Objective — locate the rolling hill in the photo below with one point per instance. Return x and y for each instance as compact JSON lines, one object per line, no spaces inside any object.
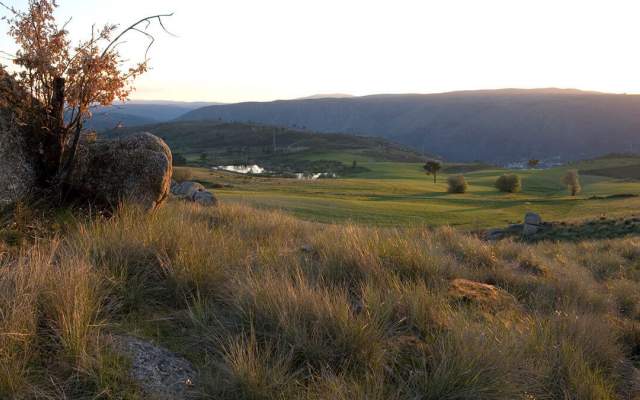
{"x":252,"y":142}
{"x":495,"y":125}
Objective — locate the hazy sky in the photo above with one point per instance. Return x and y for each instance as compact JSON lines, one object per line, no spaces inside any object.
{"x":236,"y":50}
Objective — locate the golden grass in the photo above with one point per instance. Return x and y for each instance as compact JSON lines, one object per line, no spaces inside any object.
{"x":268,"y":306}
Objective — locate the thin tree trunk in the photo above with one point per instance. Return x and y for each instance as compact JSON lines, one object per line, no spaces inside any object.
{"x":68,"y":165}
{"x":54,"y":141}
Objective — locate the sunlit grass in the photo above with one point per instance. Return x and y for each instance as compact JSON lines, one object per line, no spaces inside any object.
{"x":401,"y":194}
{"x":269,"y":306}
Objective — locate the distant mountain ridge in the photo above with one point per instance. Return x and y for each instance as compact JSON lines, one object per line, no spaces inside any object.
{"x":327,"y":96}
{"x":491,"y":125}
{"x":140,"y":112}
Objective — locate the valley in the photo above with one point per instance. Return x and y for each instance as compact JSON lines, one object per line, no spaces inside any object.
{"x":393,"y":237}
{"x":389,"y":193}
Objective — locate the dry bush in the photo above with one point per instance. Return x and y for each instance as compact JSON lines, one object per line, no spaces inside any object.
{"x":457,"y":184}
{"x":182,"y":174}
{"x":572,"y":180}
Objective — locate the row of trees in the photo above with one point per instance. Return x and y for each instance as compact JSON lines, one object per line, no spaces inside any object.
{"x":507,"y":183}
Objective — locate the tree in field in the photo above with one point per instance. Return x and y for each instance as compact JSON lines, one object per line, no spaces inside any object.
{"x":533,"y":163}
{"x":572,"y":180}
{"x":62,"y":82}
{"x":432,"y":167}
{"x":457,"y":184}
{"x":509,"y":183}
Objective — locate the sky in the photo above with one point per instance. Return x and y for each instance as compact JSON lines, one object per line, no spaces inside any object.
{"x":261,"y":50}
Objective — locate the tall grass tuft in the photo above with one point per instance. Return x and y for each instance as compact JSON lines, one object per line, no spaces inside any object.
{"x":267,"y":306}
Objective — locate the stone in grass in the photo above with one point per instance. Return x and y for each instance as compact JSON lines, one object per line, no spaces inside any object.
{"x":479,"y":294}
{"x":532,"y":224}
{"x":194,"y":192}
{"x":204,"y":198}
{"x":161,"y":374}
{"x":186,"y":189}
{"x":494,"y":234}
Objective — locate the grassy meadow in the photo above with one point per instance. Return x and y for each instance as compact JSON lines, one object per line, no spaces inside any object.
{"x":267,"y":306}
{"x":392,"y":193}
{"x":351,"y":288}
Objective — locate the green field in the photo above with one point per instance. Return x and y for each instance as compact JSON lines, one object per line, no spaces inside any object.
{"x":392,"y":193}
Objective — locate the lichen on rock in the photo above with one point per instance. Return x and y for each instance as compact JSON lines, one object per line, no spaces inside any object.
{"x":136,"y":169}
{"x":18,"y":176}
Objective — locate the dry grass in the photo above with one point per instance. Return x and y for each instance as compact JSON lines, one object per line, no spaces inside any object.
{"x":269,"y":307}
{"x":181,"y":174}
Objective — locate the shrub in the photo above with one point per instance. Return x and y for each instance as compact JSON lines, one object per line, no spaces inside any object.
{"x":572,"y":180}
{"x":509,"y":183}
{"x":457,"y":184}
{"x":182,"y":174}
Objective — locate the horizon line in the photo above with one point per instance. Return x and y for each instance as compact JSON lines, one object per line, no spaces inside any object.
{"x":344,"y":95}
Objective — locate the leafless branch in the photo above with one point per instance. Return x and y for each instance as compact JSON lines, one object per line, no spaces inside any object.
{"x":9,"y":8}
{"x":152,"y":40}
{"x":134,"y":27}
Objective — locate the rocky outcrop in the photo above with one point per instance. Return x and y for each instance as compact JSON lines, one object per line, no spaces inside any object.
{"x":161,"y":374}
{"x":186,"y":189}
{"x":532,"y":224}
{"x":18,"y":176}
{"x":204,"y":198}
{"x":194,"y":192}
{"x":532,"y":227}
{"x":136,"y":169}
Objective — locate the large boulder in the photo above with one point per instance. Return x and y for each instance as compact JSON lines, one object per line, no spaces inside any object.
{"x":136,"y":168}
{"x":18,"y":176}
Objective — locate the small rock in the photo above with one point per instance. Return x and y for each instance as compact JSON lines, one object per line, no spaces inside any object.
{"x":532,"y":224}
{"x":162,"y":375}
{"x":194,"y":192}
{"x":494,"y":234}
{"x":187,"y":189}
{"x":204,"y":198}
{"x":532,"y":219}
{"x":481,"y":294}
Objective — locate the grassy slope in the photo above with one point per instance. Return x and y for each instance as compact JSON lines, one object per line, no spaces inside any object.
{"x":233,"y":142}
{"x":400,"y":193}
{"x":270,"y":307}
